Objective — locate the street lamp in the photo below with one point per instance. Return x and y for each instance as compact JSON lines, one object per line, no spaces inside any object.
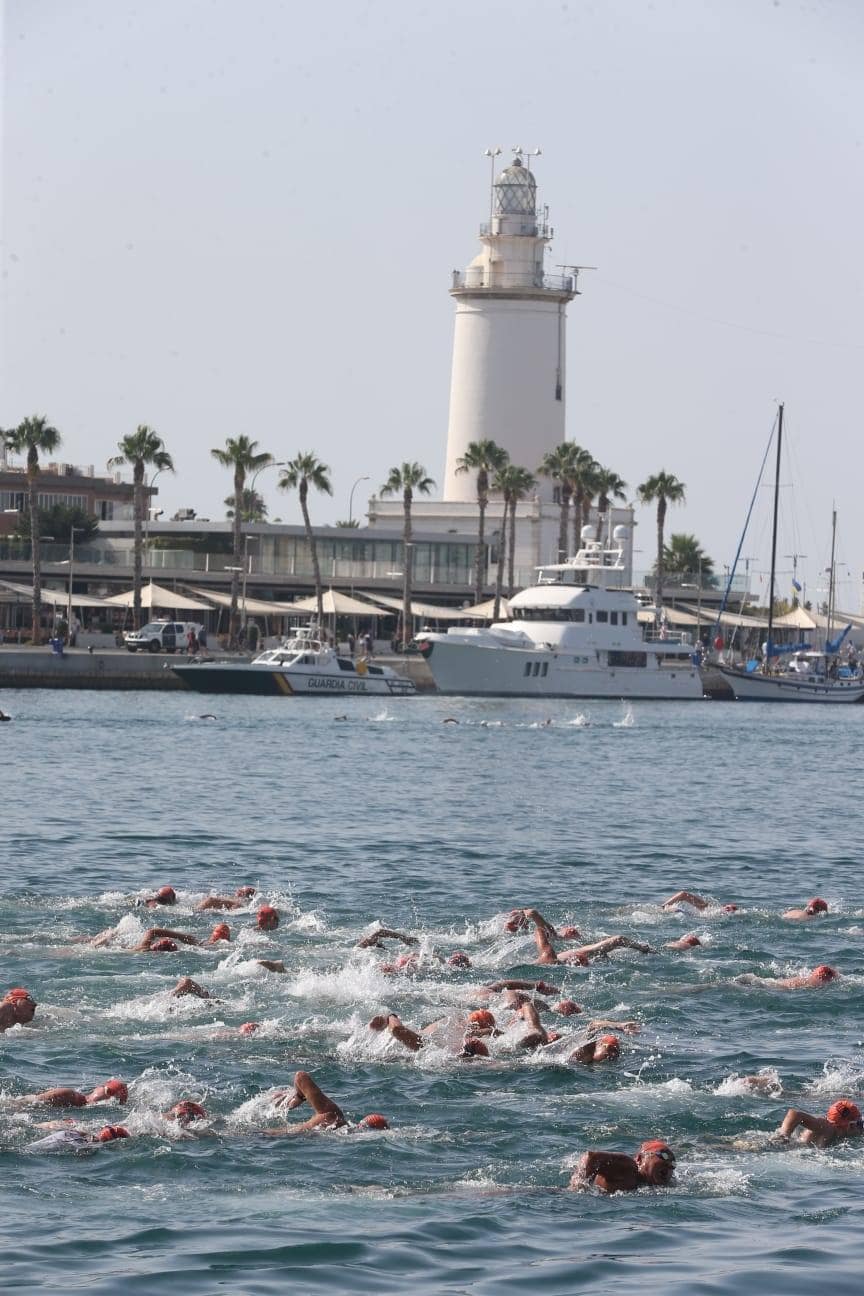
{"x":149,"y":498}
{"x":72,"y":530}
{"x":247,"y":565}
{"x":351,"y":498}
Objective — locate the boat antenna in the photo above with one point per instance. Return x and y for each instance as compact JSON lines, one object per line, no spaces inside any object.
{"x":831,"y":579}
{"x":769,"y":644}
{"x":724,"y":601}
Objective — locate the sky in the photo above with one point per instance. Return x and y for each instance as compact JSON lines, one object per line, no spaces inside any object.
{"x":223,"y":218}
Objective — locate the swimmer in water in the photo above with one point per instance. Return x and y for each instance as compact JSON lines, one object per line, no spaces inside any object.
{"x":820,"y":977}
{"x":267,"y":918}
{"x":374,"y":939}
{"x":163,"y":940}
{"x":185,"y":1112}
{"x":652,"y":1167}
{"x":327,"y":1115}
{"x":532,"y":915}
{"x":186,"y":986}
{"x":4,"y":716}
{"x":271,"y":965}
{"x":166,"y":895}
{"x":449,"y":720}
{"x":69,"y":1139}
{"x":697,"y":901}
{"x":237,"y":901}
{"x":599,"y":949}
{"x":813,"y":909}
{"x":111,"y":1090}
{"x":606,"y":1048}
{"x":17,"y":1008}
{"x":683,"y":942}
{"x":390,"y":1022}
{"x":517,"y":983}
{"x":841,"y":1121}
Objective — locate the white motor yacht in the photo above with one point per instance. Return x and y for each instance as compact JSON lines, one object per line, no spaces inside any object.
{"x":576,"y":633}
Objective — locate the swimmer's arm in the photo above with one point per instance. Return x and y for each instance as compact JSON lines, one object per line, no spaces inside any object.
{"x":385,"y":933}
{"x":533,"y":915}
{"x":686,"y":897}
{"x":616,"y":1169}
{"x":794,"y":1118}
{"x":545,"y":948}
{"x":603,"y":1023}
{"x":272,"y":965}
{"x":542,"y":987}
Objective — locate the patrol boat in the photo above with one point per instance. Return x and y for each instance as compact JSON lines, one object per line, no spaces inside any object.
{"x":302,"y":666}
{"x":575,"y":634}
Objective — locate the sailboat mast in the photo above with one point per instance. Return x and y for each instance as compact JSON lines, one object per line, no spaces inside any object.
{"x":831,"y":577}
{"x":774,"y":541}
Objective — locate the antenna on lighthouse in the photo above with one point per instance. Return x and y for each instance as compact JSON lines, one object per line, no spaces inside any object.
{"x":492,"y":154}
{"x":526,"y":153}
{"x":575,"y":269}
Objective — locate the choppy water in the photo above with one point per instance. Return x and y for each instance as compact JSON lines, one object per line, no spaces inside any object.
{"x":391,"y":815}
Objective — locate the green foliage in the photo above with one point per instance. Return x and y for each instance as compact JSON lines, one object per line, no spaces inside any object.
{"x":685,"y":556}
{"x":252,"y":509}
{"x":58,"y":521}
{"x":31,"y":437}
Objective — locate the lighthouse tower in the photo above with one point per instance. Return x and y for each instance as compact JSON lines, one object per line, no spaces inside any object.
{"x":507,"y":381}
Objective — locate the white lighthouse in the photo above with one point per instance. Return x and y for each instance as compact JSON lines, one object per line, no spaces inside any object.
{"x":508,"y":380}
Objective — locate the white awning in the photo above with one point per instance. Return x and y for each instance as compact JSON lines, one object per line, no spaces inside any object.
{"x":55,"y":598}
{"x":257,"y":607}
{"x":337,"y":604}
{"x":157,"y":596}
{"x":429,"y":611}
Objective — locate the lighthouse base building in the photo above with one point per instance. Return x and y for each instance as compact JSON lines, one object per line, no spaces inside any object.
{"x":508,"y":381}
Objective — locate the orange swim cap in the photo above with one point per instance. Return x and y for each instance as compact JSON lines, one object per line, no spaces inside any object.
{"x":843,"y":1112}
{"x":375,"y":1121}
{"x":17,"y":995}
{"x":186,"y":1111}
{"x":163,"y":946}
{"x":116,"y":1089}
{"x":249,"y":1028}
{"x":824,"y":973}
{"x":611,"y":1042}
{"x":268,"y":916}
{"x":656,"y":1147}
{"x":816,"y":905}
{"x":221,"y":932}
{"x":167,"y":895}
{"x":109,"y":1132}
{"x":482,"y":1017}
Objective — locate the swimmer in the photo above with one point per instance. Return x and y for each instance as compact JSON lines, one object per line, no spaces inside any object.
{"x":653,"y":1166}
{"x":537,"y":1034}
{"x":411,"y":1039}
{"x":17,"y":1008}
{"x":267,"y":918}
{"x":186,"y":986}
{"x":68,"y":1139}
{"x":607,"y":1048}
{"x":4,"y":716}
{"x":237,"y":901}
{"x":697,"y":901}
{"x":163,"y":940}
{"x":841,"y":1121}
{"x":458,"y":960}
{"x":599,"y":949}
{"x":567,"y":1008}
{"x":812,"y":909}
{"x":683,"y":942}
{"x":271,"y":965}
{"x":340,"y":717}
{"x":184,"y":1112}
{"x":820,"y":977}
{"x":166,"y":895}
{"x":374,"y":939}
{"x":511,"y":983}
{"x":562,"y":933}
{"x":449,"y":720}
{"x":327,"y":1115}
{"x":111,"y":1090}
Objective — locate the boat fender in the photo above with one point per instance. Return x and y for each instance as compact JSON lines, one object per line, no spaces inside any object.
{"x":360,"y":667}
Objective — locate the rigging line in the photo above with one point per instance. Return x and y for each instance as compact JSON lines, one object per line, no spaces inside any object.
{"x":730,"y":324}
{"x":725,"y":599}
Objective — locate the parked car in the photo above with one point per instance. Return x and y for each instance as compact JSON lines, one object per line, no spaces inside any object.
{"x":161,"y":636}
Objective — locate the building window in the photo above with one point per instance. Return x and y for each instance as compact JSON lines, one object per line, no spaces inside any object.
{"x":602,"y":617}
{"x":613,"y":617}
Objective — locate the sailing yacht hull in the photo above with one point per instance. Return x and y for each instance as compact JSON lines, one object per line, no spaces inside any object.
{"x":753,"y":687}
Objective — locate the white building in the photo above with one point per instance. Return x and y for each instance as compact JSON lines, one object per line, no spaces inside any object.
{"x":508,"y":381}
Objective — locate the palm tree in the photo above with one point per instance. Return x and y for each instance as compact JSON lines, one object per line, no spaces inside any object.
{"x":609,"y":487}
{"x":560,"y":464}
{"x":141,"y":448}
{"x":31,"y":436}
{"x":254,"y":508}
{"x":301,"y":472}
{"x":407,"y":478}
{"x":482,"y":457}
{"x":664,"y":489}
{"x":685,"y":556}
{"x":585,"y":487}
{"x":514,"y":484}
{"x":242,"y":456}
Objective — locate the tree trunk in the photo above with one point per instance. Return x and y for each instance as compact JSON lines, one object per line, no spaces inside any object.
{"x":512,"y":548}
{"x":36,"y":551}
{"x":239,"y":483}
{"x":661,"y":519}
{"x":577,"y":521}
{"x":562,"y":525}
{"x":502,"y":548}
{"x":407,"y":560}
{"x":138,"y":542}
{"x":480,"y":558}
{"x":313,"y":549}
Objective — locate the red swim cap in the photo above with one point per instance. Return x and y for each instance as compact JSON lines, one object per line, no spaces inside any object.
{"x":249,"y":1028}
{"x":167,"y":895}
{"x":458,"y":959}
{"x":268,"y":916}
{"x":482,"y":1017}
{"x":186,"y":1111}
{"x":816,"y":905}
{"x":375,"y":1121}
{"x":163,"y":946}
{"x":116,"y":1089}
{"x":824,"y":973}
{"x":244,"y":892}
{"x":567,"y":1008}
{"x":730,"y":908}
{"x":843,"y":1112}
{"x":610,"y":1042}
{"x":658,"y":1148}
{"x":17,"y":995}
{"x":221,"y":932}
{"x":109,"y":1132}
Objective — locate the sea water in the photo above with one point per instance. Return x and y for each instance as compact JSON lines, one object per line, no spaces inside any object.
{"x":343,"y":814}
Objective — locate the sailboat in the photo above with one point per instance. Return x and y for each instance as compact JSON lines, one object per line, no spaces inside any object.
{"x":809,"y":676}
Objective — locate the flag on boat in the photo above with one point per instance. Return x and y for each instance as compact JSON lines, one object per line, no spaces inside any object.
{"x":796,"y":585}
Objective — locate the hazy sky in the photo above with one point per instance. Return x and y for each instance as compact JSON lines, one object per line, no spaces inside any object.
{"x":224,"y":217}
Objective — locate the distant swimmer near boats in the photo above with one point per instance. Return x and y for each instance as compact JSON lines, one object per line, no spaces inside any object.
{"x":4,"y":716}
